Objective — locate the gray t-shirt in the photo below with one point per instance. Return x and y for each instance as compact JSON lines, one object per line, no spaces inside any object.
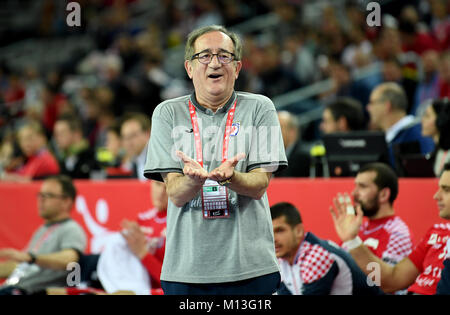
{"x":49,"y":238}
{"x":217,"y":250}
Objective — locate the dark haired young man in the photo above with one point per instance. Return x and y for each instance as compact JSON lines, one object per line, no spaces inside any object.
{"x":312,"y":266}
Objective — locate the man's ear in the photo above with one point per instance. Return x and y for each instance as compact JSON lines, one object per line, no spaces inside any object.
{"x":298,"y":229}
{"x":238,"y":68}
{"x":384,"y":195}
{"x":70,"y":204}
{"x":388,"y":107}
{"x":188,"y":67}
{"x":342,"y":124}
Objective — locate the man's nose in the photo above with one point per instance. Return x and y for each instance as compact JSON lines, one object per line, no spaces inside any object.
{"x":215,"y":63}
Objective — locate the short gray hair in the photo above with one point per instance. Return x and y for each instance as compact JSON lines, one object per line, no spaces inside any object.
{"x":395,"y":94}
{"x":190,"y":50}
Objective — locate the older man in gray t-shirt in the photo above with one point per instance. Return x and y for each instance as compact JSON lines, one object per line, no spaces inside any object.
{"x":53,"y":247}
{"x":216,"y":150}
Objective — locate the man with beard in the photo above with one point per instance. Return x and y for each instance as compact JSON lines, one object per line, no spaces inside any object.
{"x":384,"y":233}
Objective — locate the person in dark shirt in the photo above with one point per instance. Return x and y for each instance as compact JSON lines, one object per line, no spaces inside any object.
{"x":296,"y":151}
{"x":75,"y":156}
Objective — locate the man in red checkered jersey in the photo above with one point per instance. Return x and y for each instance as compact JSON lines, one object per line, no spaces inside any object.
{"x":311,"y":266}
{"x":421,"y":271}
{"x":384,"y":233}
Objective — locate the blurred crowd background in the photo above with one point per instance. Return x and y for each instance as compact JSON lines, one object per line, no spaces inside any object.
{"x":127,"y":57}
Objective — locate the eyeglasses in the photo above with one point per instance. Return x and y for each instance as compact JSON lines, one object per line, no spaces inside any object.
{"x":205,"y":57}
{"x":49,"y":195}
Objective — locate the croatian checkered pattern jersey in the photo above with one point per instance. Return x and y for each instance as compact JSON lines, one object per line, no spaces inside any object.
{"x":428,"y":256}
{"x":388,"y":238}
{"x":321,"y":268}
{"x":315,"y":262}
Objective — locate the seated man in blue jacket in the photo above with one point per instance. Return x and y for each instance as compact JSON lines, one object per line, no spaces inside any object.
{"x":312,"y":266}
{"x":387,"y":108}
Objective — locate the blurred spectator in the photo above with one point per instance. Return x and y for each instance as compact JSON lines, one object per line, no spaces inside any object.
{"x":135,"y":133}
{"x":152,"y":80}
{"x":394,"y":71}
{"x":34,"y":89}
{"x":440,"y":22}
{"x":428,"y":85}
{"x":39,"y":161}
{"x":297,"y":152}
{"x":298,"y":57}
{"x":11,"y":156}
{"x":358,"y":53}
{"x":273,"y":77}
{"x":15,"y":91}
{"x":55,"y":244}
{"x":388,"y":44}
{"x":344,"y":85}
{"x":387,"y":108}
{"x":112,"y":156}
{"x":75,"y":156}
{"x":53,"y":102}
{"x":342,"y":115}
{"x":415,"y":40}
{"x":234,"y":12}
{"x":444,"y":74}
{"x":104,"y":118}
{"x":436,"y":124}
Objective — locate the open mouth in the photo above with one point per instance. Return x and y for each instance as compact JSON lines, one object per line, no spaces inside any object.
{"x":214,"y":76}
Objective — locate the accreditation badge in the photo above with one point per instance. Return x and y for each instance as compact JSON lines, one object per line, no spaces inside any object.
{"x":214,"y":200}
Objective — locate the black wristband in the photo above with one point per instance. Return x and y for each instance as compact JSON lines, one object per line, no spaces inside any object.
{"x":33,"y":258}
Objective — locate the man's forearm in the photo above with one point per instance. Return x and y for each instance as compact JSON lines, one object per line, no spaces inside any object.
{"x":6,"y":268}
{"x":252,"y":184}
{"x":180,"y":189}
{"x":364,"y":258}
{"x":57,"y":261}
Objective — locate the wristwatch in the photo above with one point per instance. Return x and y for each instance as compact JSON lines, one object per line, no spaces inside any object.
{"x":226,"y":182}
{"x":33,"y":258}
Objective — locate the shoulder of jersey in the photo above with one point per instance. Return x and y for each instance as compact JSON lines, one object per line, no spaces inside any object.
{"x":396,"y":225}
{"x":315,"y":262}
{"x":442,"y":226}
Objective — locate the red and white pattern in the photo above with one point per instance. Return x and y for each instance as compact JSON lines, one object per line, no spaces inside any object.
{"x":428,"y":256}
{"x":315,"y":262}
{"x":388,"y":238}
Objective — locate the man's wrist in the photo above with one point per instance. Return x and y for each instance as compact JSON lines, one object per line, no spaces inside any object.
{"x":226,"y":182}
{"x":352,"y":244}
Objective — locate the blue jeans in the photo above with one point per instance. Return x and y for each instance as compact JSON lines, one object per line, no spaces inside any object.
{"x":262,"y":285}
